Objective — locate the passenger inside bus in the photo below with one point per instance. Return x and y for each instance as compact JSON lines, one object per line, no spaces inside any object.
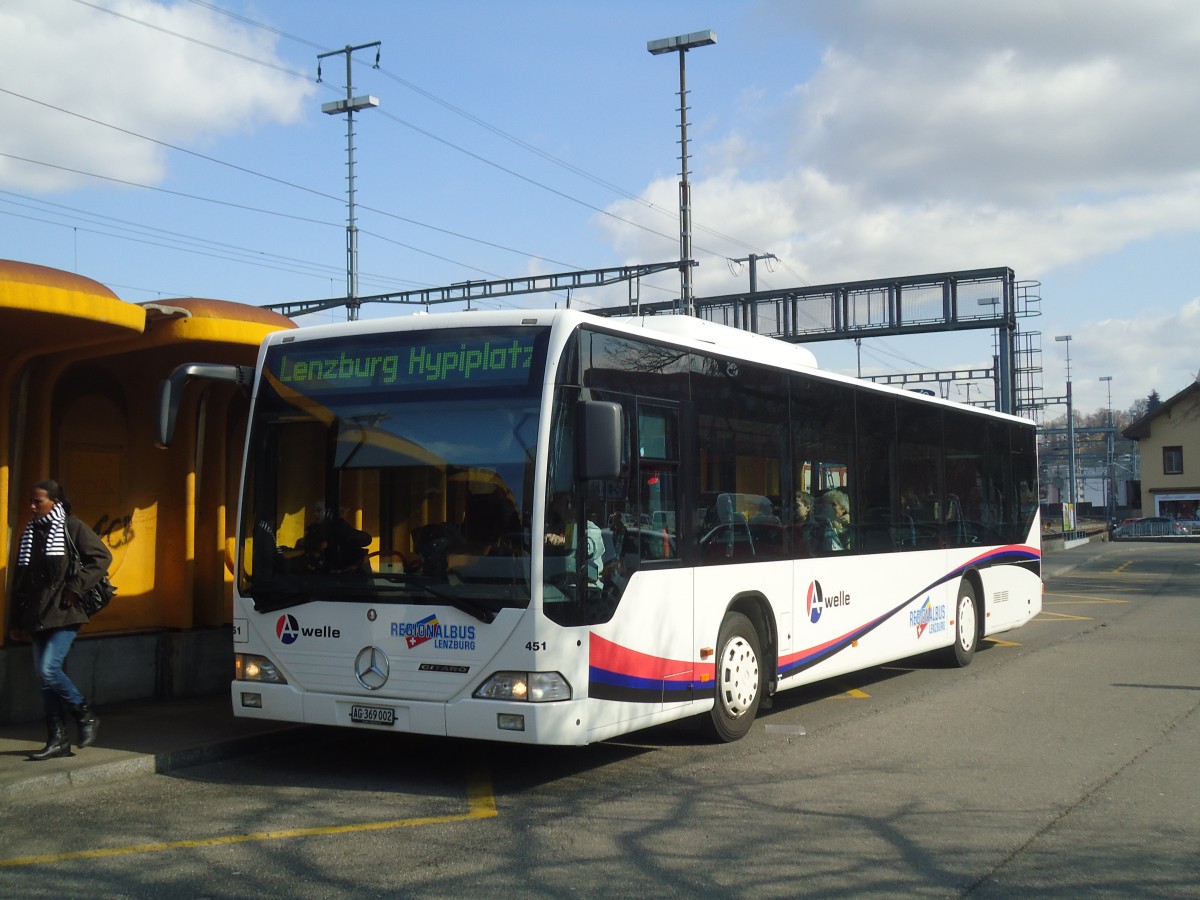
{"x":833,"y":514}
{"x":557,"y":515}
{"x":614,"y":574}
{"x":491,"y":524}
{"x":802,"y":508}
{"x":331,"y":544}
{"x":764,"y":514}
{"x":805,"y":532}
{"x":560,"y":527}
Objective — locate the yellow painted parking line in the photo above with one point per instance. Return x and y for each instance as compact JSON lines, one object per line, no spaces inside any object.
{"x":852,"y":694}
{"x":481,"y":805}
{"x":1123,"y":579}
{"x":481,"y":800}
{"x":1060,"y":617}
{"x":1080,"y":598}
{"x":1113,"y":578}
{"x":999,"y":643}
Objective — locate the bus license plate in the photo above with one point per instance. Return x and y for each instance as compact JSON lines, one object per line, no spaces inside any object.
{"x":373,"y":715}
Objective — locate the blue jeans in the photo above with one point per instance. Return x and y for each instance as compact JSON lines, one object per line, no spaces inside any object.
{"x":49,"y":652}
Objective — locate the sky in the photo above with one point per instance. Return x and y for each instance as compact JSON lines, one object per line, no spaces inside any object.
{"x":177,"y":148}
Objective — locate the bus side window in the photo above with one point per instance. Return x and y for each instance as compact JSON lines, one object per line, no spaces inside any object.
{"x":658,"y":527}
{"x":658,"y":481}
{"x":822,"y":444}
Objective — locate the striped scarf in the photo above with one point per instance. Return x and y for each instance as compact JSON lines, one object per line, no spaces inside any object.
{"x":56,"y":544}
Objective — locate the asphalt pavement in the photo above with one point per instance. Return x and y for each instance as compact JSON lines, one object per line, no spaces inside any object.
{"x":158,"y":736}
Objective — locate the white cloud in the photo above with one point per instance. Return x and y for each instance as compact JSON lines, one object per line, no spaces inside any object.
{"x":938,"y":135}
{"x":125,"y":67}
{"x":1119,"y":347}
{"x":942,"y":135}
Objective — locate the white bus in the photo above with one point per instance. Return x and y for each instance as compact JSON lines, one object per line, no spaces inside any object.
{"x":554,"y":528}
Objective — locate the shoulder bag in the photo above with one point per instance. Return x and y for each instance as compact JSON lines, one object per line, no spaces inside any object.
{"x":96,"y":598}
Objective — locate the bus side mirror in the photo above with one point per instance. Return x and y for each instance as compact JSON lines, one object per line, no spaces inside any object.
{"x":598,"y":452}
{"x":172,"y":387}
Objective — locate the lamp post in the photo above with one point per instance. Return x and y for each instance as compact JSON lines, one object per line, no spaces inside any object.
{"x":683,"y":43}
{"x":1111,"y":491}
{"x":350,"y":106}
{"x":1070,"y":428}
{"x":997,"y":379}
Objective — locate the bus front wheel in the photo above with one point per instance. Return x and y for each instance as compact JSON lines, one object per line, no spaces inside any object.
{"x":739,"y":678}
{"x":966,"y":627}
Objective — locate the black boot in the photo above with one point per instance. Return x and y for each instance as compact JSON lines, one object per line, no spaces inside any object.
{"x":57,"y":743}
{"x":89,"y":723}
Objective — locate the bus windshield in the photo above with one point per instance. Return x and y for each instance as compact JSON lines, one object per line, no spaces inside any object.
{"x":394,"y":469}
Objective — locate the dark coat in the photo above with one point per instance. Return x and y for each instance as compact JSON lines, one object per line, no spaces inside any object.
{"x":40,"y":591}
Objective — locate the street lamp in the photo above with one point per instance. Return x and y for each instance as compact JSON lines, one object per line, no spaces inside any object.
{"x":1070,"y":428}
{"x":1111,"y":504}
{"x":997,"y":365}
{"x":350,"y":106}
{"x":683,"y":43}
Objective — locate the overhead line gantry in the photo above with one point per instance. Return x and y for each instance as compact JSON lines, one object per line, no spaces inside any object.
{"x":944,"y":301}
{"x":468,"y":291}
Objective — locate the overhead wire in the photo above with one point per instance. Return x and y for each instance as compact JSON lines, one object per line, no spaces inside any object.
{"x":570,"y":167}
{"x":499,"y":132}
{"x":183,"y":194}
{"x":429,"y":95}
{"x":247,"y":171}
{"x":112,"y":226}
{"x":192,"y":40}
{"x":304,"y":76}
{"x":880,"y":348}
{"x":170,"y":146}
{"x":268,"y":211}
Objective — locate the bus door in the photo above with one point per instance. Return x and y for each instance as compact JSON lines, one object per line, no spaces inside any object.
{"x":642,"y":658}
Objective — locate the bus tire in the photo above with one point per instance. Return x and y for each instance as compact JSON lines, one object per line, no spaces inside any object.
{"x":966,"y":627}
{"x":739,"y":679}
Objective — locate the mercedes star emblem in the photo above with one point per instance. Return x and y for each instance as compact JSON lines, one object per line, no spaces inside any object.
{"x":371,"y":668}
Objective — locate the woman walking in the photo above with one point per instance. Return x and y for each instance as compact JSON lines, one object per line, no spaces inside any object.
{"x":46,"y":600}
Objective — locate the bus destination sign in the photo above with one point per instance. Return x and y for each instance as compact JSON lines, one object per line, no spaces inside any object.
{"x":481,"y":362}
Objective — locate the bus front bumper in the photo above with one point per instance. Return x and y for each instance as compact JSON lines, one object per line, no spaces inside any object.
{"x":561,"y":722}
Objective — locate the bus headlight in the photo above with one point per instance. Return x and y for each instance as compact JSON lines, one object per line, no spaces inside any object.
{"x":251,"y":667}
{"x":534,"y":687}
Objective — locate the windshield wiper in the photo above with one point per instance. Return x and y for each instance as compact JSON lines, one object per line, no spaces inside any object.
{"x":271,"y":601}
{"x":470,"y":607}
{"x":267,"y":599}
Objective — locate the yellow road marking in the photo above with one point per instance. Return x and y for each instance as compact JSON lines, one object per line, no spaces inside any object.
{"x":1108,"y":576}
{"x":1000,"y":643}
{"x":851,"y":694}
{"x":481,"y":805}
{"x":1062,"y":617}
{"x":481,"y":800}
{"x":1080,"y":598}
{"x":1123,"y":566}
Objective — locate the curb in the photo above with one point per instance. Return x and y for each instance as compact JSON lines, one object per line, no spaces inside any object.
{"x":161,"y":763}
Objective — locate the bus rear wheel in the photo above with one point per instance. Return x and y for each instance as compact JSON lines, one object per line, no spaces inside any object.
{"x":966,"y":627}
{"x":739,"y":678}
